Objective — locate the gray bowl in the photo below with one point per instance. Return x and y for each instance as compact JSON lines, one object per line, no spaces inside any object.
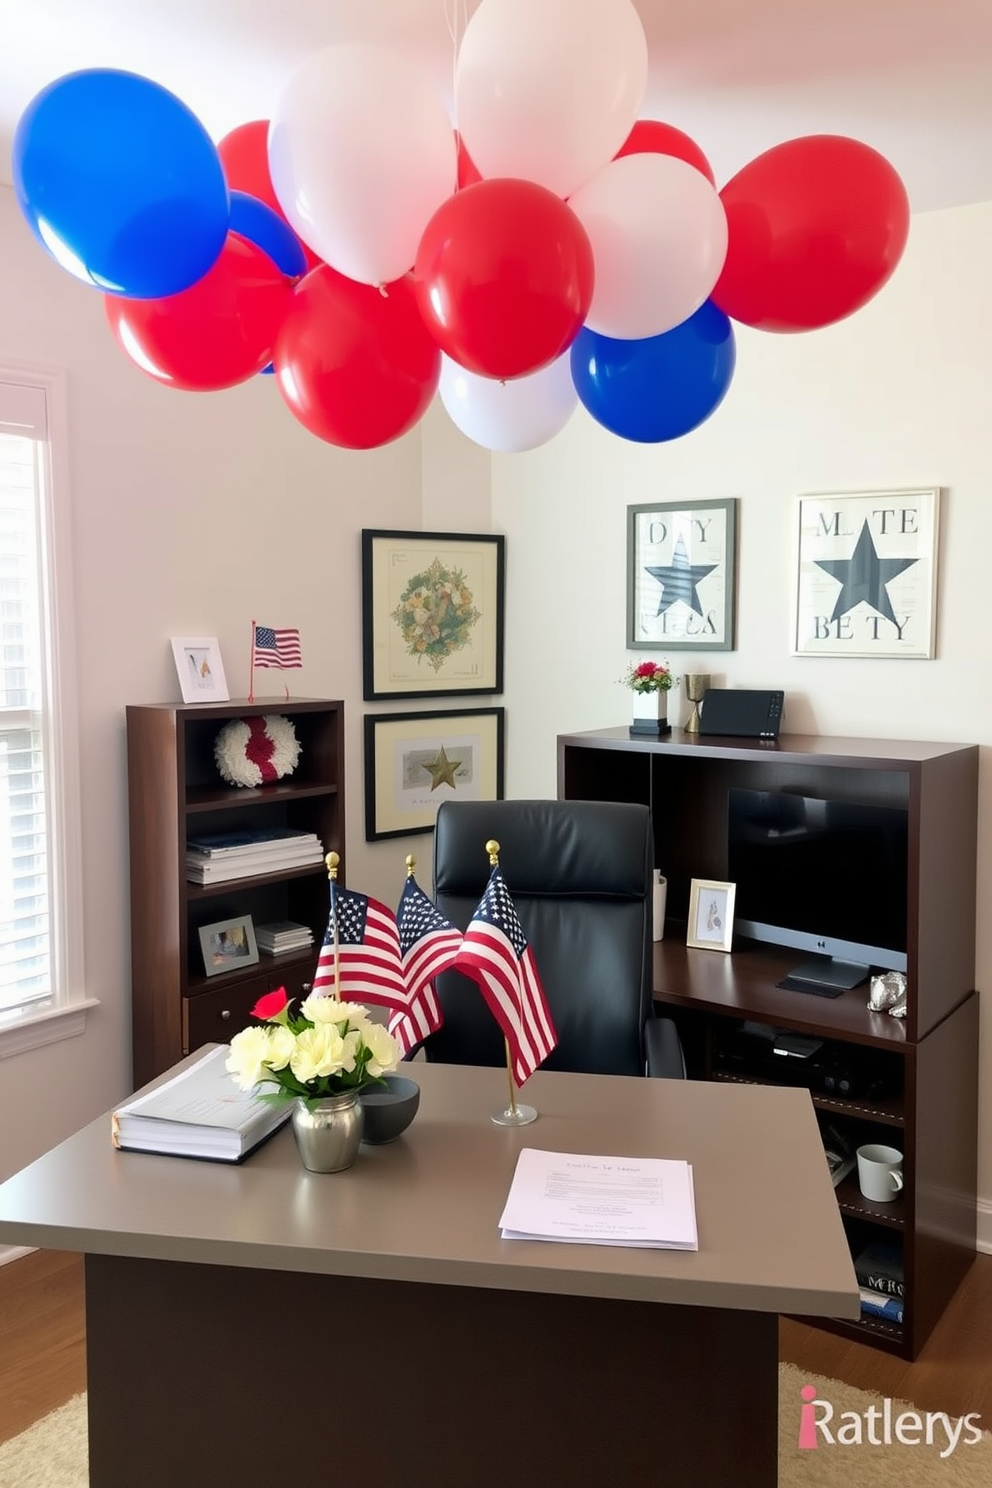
{"x":389,"y":1109}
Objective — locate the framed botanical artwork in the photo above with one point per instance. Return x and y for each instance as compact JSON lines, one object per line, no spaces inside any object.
{"x":200,"y":669}
{"x":866,"y":573}
{"x":711,"y":915}
{"x":432,"y":613}
{"x":681,"y":575}
{"x":414,"y":761}
{"x":228,"y":945}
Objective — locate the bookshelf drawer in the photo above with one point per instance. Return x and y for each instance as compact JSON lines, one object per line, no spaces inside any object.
{"x":215,"y":1017}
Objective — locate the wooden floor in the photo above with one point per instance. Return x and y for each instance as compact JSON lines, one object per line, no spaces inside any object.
{"x":42,"y":1346}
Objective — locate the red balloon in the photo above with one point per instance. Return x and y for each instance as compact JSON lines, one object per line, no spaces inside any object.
{"x":504,"y":277}
{"x":467,"y":171}
{"x":357,"y":367}
{"x":215,"y":334}
{"x":244,"y":154}
{"x":650,"y":137}
{"x":817,"y":225}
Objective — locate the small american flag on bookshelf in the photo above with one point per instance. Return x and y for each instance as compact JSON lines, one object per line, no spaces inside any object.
{"x":276,"y":648}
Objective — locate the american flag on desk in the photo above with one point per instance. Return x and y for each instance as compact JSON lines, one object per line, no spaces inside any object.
{"x":276,"y":648}
{"x":368,"y":953}
{"x":495,"y":953}
{"x":429,"y":944}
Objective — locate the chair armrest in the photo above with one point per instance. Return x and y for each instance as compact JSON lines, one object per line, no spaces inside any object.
{"x":665,"y":1060}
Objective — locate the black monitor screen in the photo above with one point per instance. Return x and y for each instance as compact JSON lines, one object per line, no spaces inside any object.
{"x":820,"y":875}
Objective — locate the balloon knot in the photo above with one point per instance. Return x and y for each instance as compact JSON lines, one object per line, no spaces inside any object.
{"x":383,"y":291}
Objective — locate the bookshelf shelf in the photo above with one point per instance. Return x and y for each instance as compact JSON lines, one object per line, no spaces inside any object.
{"x":173,"y":785}
{"x":910,"y":1082}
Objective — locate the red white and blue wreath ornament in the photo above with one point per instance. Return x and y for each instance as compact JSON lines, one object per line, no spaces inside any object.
{"x":258,"y":750}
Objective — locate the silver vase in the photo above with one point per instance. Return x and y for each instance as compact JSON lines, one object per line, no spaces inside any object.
{"x":328,"y":1136}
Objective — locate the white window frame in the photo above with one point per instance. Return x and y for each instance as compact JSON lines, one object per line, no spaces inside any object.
{"x":63,"y":1015}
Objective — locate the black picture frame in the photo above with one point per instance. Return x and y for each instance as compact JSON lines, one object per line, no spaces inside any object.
{"x":439,"y":648}
{"x":682,"y":575}
{"x":467,"y":749}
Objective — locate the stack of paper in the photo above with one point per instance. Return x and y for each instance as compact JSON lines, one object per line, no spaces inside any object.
{"x":280,"y":936}
{"x":200,"y":1112}
{"x":635,"y":1201}
{"x":219,"y":857}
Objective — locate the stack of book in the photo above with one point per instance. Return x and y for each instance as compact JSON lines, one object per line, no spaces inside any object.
{"x":878,"y":1268}
{"x":219,"y":857}
{"x":280,"y":936}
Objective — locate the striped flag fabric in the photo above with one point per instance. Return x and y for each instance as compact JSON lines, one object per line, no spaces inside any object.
{"x":368,"y":954}
{"x":429,"y":944}
{"x":495,"y":953}
{"x":276,"y":648}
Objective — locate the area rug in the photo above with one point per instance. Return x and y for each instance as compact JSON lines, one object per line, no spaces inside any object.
{"x":851,"y":1448}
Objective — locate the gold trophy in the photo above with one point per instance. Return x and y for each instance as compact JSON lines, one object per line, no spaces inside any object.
{"x":696,"y":687}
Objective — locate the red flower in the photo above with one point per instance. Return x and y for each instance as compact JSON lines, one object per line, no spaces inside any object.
{"x":271,"y":1005}
{"x":647,"y":669}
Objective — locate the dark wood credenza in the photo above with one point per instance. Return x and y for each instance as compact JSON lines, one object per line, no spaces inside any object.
{"x":909,"y":1083}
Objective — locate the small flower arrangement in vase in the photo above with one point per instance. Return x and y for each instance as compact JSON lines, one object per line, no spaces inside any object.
{"x":650,"y":683}
{"x":320,"y":1058}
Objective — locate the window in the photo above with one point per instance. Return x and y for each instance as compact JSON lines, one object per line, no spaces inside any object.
{"x":41,"y":961}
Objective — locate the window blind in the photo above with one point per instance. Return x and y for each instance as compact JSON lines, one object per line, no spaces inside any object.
{"x":26,"y":889}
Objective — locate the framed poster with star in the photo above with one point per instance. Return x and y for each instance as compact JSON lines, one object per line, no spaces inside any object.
{"x":413,"y":761}
{"x":866,"y":580}
{"x":681,"y":573}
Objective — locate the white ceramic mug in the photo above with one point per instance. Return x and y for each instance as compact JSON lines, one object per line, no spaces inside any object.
{"x":880,"y":1173}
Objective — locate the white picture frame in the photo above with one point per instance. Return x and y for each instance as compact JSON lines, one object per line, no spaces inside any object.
{"x":711,"y":915}
{"x":866,"y":574}
{"x":200,"y":669}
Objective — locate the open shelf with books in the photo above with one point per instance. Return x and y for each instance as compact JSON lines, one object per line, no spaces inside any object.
{"x":203,"y":853}
{"x":910,"y":1082}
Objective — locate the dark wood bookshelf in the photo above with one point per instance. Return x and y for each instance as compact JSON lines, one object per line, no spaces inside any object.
{"x":910,"y":1082}
{"x":174,"y":786}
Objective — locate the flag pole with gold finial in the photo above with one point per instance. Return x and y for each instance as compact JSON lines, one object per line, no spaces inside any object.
{"x":514,"y":1114}
{"x":332,"y":860}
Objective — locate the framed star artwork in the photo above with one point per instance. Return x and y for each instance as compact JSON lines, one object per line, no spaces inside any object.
{"x":681,"y":576}
{"x":432,"y":613}
{"x":866,"y":581}
{"x":413,"y":761}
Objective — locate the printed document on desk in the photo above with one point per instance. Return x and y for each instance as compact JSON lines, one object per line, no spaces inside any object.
{"x":584,"y":1200}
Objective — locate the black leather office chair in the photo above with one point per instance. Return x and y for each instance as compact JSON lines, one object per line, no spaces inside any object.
{"x":579,"y":874}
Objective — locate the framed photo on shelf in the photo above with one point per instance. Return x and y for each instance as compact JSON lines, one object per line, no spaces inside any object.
{"x":414,"y":761}
{"x":866,"y":574}
{"x":681,"y":576}
{"x":228,"y":945}
{"x":200,"y":669}
{"x":711,"y":915}
{"x":432,"y":613}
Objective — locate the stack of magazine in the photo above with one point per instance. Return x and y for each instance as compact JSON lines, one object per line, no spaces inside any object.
{"x":280,"y":936}
{"x":219,"y":857}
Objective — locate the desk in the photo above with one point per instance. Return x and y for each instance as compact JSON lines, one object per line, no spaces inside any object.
{"x":379,"y":1313}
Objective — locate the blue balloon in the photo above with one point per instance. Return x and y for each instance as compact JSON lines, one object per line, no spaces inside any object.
{"x":659,"y":388}
{"x":256,"y":221}
{"x":121,"y":183}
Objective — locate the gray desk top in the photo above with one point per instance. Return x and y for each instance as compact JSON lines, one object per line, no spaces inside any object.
{"x":425,"y":1208}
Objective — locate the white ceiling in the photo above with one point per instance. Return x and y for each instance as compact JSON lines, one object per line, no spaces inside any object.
{"x":913,"y":78}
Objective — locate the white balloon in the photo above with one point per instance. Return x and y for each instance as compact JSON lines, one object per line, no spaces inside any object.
{"x":509,"y":416}
{"x":548,"y":90}
{"x":659,"y":238}
{"x":361,"y":154}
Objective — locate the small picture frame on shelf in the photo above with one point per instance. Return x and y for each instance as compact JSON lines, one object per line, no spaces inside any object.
{"x":711,"y":915}
{"x":228,"y":945}
{"x":200,"y":669}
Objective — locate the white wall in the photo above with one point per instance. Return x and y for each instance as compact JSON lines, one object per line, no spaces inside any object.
{"x":897,"y":395}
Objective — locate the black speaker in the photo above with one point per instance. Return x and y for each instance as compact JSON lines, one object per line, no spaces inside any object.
{"x":741,"y":712}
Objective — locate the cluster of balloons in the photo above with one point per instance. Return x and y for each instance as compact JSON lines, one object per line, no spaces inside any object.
{"x":557,"y":248}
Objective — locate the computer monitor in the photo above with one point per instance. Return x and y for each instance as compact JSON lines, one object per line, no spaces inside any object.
{"x":828,"y":877}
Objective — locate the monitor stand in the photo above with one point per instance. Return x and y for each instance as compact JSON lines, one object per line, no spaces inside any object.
{"x":825,"y":976}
